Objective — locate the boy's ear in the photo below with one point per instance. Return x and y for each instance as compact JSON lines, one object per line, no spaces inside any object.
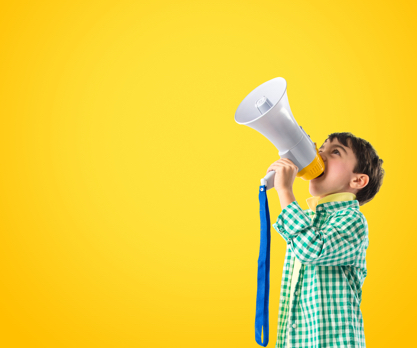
{"x":360,"y":181}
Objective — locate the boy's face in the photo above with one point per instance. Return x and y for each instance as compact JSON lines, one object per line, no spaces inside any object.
{"x":338,"y":176}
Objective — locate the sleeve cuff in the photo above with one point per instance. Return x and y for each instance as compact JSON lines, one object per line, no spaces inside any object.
{"x":291,"y":221}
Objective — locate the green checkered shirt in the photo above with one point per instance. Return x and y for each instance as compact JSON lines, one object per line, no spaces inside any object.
{"x":331,"y":246}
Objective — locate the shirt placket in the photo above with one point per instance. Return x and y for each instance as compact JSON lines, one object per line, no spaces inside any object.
{"x":292,"y":322}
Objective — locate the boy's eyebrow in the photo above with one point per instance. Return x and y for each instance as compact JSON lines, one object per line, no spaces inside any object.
{"x":335,"y":145}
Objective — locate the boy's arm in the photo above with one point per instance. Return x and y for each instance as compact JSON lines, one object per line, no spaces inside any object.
{"x":338,"y":242}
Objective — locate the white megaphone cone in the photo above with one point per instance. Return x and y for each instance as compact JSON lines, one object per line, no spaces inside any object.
{"x":267,"y":110}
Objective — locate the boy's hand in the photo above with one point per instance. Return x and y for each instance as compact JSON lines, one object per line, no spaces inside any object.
{"x":285,"y":174}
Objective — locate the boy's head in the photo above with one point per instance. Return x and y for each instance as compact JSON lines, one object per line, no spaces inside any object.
{"x":351,"y":165}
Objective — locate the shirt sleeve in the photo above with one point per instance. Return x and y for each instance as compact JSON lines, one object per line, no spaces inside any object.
{"x":339,"y":241}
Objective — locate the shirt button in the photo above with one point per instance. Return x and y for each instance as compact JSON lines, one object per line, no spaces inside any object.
{"x":294,"y":325}
{"x":296,"y":292}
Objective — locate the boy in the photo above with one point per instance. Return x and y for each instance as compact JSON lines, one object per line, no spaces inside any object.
{"x":324,"y":267}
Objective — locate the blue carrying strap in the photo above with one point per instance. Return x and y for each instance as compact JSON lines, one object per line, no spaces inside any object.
{"x":262,"y":296}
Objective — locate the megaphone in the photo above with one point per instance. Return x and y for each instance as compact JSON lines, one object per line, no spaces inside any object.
{"x":266,"y":109}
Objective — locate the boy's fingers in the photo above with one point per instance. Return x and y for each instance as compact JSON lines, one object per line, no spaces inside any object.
{"x":289,"y":161}
{"x":281,"y":162}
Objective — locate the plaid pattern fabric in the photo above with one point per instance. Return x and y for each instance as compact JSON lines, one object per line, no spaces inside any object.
{"x":331,"y":246}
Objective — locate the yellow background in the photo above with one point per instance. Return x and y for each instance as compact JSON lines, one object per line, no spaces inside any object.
{"x":130,"y":212}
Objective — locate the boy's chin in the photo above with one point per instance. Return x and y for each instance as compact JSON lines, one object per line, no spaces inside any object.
{"x":315,"y":190}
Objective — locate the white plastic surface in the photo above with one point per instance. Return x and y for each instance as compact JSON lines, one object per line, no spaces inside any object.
{"x":268,"y":180}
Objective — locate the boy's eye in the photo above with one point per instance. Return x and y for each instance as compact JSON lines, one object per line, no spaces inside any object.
{"x":333,"y":151}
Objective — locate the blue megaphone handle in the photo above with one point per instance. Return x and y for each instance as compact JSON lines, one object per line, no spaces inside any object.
{"x":262,"y":296}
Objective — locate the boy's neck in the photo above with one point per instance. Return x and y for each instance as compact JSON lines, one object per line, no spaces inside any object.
{"x":333,"y":193}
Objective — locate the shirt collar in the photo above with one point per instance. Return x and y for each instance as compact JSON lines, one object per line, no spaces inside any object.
{"x":314,"y":201}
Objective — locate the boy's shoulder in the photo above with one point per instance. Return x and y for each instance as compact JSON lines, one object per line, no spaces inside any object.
{"x":336,"y":208}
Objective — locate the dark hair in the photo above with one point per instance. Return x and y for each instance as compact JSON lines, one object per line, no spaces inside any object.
{"x":368,"y":162}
